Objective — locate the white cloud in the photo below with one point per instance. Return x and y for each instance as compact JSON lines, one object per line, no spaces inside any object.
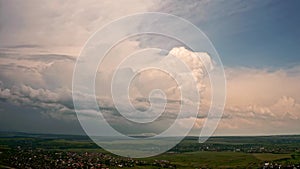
{"x":261,"y":101}
{"x":257,"y":99}
{"x":59,"y":27}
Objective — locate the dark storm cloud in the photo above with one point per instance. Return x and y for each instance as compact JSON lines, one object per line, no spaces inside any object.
{"x":38,"y":57}
{"x":30,"y":119}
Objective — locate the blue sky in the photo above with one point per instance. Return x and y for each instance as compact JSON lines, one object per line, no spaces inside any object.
{"x":258,"y":34}
{"x":265,"y":36}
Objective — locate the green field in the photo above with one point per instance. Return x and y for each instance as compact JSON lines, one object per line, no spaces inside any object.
{"x":217,"y":152}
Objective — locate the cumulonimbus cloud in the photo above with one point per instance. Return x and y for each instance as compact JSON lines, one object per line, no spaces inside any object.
{"x":256,"y":97}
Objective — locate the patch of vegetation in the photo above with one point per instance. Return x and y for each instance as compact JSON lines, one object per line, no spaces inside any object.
{"x":217,"y":152}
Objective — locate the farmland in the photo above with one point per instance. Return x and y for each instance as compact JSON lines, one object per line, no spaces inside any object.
{"x":20,"y":150}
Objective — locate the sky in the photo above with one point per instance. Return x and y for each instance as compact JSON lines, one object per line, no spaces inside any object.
{"x":257,"y":41}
